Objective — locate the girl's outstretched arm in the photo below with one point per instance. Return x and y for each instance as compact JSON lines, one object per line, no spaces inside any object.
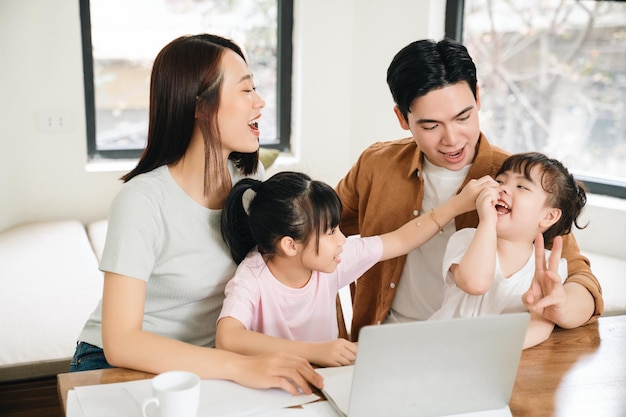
{"x":233,"y":336}
{"x":420,"y":230}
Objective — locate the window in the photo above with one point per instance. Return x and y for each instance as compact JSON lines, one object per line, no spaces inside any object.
{"x":122,"y":37}
{"x":552,"y":77}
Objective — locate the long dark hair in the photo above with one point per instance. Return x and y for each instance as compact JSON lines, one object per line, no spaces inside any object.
{"x":564,"y":191}
{"x":289,"y":203}
{"x":185,"y":86}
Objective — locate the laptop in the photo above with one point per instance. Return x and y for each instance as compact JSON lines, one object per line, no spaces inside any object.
{"x":457,"y":367}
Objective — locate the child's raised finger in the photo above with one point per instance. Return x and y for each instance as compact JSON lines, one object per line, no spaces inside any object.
{"x":555,"y":255}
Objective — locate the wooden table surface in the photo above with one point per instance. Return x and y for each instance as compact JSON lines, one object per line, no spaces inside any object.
{"x":577,"y":372}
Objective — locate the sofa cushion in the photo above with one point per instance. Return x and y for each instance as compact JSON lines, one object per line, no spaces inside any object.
{"x":267,"y":156}
{"x":97,"y":232}
{"x":50,"y":284}
{"x":610,"y":272}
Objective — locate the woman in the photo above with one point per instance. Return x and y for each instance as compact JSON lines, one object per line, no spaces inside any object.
{"x":165,"y":264}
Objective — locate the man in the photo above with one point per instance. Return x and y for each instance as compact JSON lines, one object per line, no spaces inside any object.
{"x":437,"y":99}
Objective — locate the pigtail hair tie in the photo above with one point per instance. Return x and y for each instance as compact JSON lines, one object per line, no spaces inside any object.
{"x":246,"y":199}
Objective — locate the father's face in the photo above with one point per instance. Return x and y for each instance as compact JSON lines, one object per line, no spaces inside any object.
{"x":444,"y":123}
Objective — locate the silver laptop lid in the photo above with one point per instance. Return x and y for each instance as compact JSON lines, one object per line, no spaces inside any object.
{"x":437,"y":368}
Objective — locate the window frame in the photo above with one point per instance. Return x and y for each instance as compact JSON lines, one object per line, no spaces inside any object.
{"x":594,"y":184}
{"x":283,"y":85}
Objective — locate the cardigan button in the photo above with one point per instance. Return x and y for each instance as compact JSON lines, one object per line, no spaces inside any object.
{"x":415,"y":212}
{"x":392,"y":285}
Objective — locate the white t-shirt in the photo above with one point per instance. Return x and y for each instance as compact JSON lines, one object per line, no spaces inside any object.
{"x":505,"y":293}
{"x":265,"y":305}
{"x":420,"y":290}
{"x":159,"y":234}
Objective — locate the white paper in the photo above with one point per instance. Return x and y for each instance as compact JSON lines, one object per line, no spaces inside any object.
{"x":217,"y":398}
{"x":73,"y":407}
{"x":337,"y":384}
{"x":319,"y":409}
{"x":108,"y":400}
{"x":314,"y":409}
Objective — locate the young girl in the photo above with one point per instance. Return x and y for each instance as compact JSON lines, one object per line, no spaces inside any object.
{"x":282,"y":297}
{"x":165,"y":264}
{"x":538,"y":201}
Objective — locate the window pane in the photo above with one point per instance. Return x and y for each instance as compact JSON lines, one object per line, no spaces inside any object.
{"x":552,"y":77}
{"x":126,"y":36}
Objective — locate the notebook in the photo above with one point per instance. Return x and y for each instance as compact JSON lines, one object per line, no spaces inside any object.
{"x":457,"y":367}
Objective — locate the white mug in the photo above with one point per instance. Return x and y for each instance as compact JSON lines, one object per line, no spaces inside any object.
{"x":175,"y":394}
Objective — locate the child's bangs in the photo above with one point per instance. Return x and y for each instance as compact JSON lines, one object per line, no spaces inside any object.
{"x":520,"y":164}
{"x":327,"y":207}
{"x":524,"y":163}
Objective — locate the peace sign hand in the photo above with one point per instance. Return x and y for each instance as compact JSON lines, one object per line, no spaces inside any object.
{"x":546,"y":295}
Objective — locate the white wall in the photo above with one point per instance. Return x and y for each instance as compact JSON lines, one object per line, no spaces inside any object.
{"x":342,"y":49}
{"x":43,"y":174}
{"x":341,"y":103}
{"x":605,"y":233}
{"x":341,"y":99}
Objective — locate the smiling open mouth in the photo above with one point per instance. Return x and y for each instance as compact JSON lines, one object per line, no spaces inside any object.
{"x":502,"y":208}
{"x":455,"y":156}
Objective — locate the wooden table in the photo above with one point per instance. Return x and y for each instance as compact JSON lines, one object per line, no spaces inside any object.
{"x":578,"y":372}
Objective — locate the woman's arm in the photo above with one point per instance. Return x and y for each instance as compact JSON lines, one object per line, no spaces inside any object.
{"x":127,"y":345}
{"x":233,"y":336}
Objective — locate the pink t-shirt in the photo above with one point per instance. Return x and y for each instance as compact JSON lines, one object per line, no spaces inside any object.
{"x":265,"y":305}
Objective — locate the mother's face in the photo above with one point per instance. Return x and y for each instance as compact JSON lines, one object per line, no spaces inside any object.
{"x":240,"y":107}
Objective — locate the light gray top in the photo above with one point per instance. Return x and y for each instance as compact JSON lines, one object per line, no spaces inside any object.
{"x":159,"y":234}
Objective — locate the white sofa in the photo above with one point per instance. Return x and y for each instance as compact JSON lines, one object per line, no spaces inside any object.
{"x":50,"y":283}
{"x":611,"y":272}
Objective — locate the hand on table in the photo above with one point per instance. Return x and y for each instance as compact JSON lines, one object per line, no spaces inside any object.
{"x":280,"y":370}
{"x":338,"y":352}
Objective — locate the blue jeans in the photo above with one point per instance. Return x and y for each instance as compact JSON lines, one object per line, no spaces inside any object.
{"x":87,"y":358}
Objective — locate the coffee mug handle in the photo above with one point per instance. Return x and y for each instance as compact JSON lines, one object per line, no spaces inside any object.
{"x":146,"y":403}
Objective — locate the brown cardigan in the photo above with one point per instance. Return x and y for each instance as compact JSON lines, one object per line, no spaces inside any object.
{"x":381,"y":192}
